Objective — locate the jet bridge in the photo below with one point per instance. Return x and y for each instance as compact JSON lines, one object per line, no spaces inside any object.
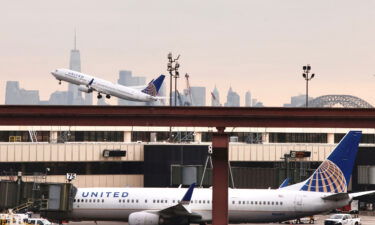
{"x":37,"y":197}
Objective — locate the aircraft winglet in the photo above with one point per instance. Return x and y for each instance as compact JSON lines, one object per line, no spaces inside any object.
{"x":285,"y":183}
{"x":189,"y":193}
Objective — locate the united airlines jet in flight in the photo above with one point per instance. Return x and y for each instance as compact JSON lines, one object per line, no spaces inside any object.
{"x":324,"y":191}
{"x":87,"y":83}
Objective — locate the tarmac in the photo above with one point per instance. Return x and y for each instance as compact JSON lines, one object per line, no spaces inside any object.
{"x":365,"y":220}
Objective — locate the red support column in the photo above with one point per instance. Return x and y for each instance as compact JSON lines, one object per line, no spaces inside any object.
{"x":220,"y":144}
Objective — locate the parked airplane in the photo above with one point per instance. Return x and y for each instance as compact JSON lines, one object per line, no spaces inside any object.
{"x":88,"y":84}
{"x":325,"y":190}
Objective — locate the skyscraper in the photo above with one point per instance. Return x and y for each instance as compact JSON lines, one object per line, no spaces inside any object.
{"x":198,"y":95}
{"x":215,"y":97}
{"x":248,"y":99}
{"x":14,"y":95}
{"x":74,"y":95}
{"x":297,"y":101}
{"x":233,"y":99}
{"x":126,"y":78}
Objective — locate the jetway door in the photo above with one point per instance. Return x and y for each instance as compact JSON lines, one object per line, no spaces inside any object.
{"x":54,"y":197}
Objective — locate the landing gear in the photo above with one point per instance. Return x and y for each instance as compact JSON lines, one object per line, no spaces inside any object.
{"x":108,"y":96}
{"x":60,"y":82}
{"x":99,"y":96}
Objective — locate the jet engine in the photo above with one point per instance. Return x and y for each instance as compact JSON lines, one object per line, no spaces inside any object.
{"x":144,"y":218}
{"x":84,"y":88}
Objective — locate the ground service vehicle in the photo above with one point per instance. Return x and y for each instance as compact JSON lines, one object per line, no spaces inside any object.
{"x":342,"y":219}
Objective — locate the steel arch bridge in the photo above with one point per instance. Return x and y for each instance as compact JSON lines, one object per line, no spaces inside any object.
{"x":346,"y":101}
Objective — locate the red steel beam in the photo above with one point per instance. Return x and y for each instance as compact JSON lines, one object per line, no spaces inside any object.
{"x":220,"y":147}
{"x":186,"y":116}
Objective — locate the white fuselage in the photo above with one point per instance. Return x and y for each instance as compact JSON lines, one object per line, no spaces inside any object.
{"x":245,"y":205}
{"x":102,"y":86}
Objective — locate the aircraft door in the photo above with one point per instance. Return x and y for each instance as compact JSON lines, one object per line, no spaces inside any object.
{"x":298,"y":202}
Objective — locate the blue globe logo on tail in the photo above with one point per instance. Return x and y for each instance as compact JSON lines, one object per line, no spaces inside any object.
{"x":327,"y":178}
{"x":154,"y":86}
{"x":333,"y":175}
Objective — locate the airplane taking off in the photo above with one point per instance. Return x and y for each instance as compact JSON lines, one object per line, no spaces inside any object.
{"x":324,"y":191}
{"x":88,"y":84}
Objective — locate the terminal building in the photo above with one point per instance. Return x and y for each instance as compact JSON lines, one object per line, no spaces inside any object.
{"x":156,"y":157}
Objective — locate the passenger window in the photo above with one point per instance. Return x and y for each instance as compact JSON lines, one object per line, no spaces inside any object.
{"x":264,"y":203}
{"x":153,"y":201}
{"x":77,"y":200}
{"x":157,"y":201}
{"x":204,"y":202}
{"x":90,"y":200}
{"x":260,"y":202}
{"x":256,"y":203}
{"x":251,"y":202}
{"x":145,"y":200}
{"x":136,"y":201}
{"x":239,"y":202}
{"x":277,"y":203}
{"x":243,"y":202}
{"x":103,"y":200}
{"x":132,"y":200}
{"x":199,"y":201}
{"x":272,"y":203}
{"x":128,"y":201}
{"x":268,"y":203}
{"x":86,"y":200}
{"x":174,"y":200}
{"x":119,"y":200}
{"x":281,"y":203}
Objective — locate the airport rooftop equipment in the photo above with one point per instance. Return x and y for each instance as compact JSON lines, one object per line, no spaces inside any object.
{"x":219,"y":117}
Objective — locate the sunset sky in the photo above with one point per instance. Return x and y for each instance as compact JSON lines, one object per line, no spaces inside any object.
{"x":258,"y":45}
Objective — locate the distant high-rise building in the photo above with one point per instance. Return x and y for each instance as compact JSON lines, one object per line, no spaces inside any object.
{"x":215,"y":97}
{"x":297,"y":101}
{"x":198,"y":95}
{"x":101,"y":101}
{"x":248,"y":99}
{"x":233,"y":99}
{"x":58,"y":98}
{"x":74,"y":95}
{"x":126,"y":78}
{"x":14,"y":95}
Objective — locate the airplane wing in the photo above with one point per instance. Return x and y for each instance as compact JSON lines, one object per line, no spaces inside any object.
{"x":336,"y":197}
{"x":182,"y":208}
{"x":341,"y":196}
{"x":358,"y":194}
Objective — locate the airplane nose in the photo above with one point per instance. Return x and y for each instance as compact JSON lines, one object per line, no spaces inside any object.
{"x":53,"y":73}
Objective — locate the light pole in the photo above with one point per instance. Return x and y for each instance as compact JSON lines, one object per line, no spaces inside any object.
{"x":305,"y":75}
{"x":170,"y":69}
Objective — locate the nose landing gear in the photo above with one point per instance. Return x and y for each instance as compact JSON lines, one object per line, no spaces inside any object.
{"x":99,"y":96}
{"x":60,"y":82}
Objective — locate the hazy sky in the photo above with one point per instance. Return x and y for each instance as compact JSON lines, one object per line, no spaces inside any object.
{"x":257,"y":45}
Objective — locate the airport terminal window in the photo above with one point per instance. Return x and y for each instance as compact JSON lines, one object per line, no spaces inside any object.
{"x":298,"y":138}
{"x":206,"y":136}
{"x":140,"y":136}
{"x":93,"y":136}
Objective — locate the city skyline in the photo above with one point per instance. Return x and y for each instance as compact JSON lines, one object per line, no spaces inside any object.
{"x":259,"y":46}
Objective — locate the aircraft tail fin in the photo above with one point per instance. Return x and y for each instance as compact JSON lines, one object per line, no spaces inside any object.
{"x":333,"y":175}
{"x":154,"y":86}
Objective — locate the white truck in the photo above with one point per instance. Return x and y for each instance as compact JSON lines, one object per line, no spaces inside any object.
{"x":342,"y":219}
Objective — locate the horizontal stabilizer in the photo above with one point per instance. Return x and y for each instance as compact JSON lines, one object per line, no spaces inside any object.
{"x":336,"y":197}
{"x":358,"y":194}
